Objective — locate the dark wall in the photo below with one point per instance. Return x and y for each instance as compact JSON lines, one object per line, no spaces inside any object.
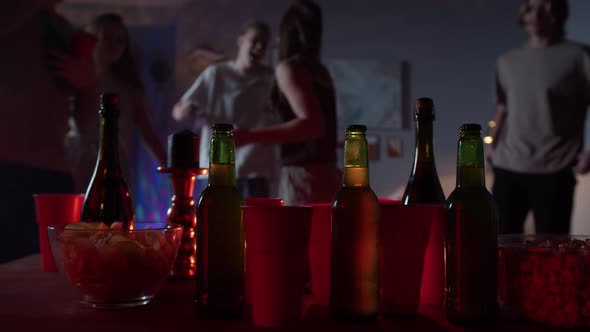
{"x":450,"y":47}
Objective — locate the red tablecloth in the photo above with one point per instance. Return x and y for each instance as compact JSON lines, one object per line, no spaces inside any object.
{"x":32,"y":300}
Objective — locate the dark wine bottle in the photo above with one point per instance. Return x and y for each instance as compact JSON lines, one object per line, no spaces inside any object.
{"x":355,"y":236}
{"x":220,"y":234}
{"x":424,"y":186}
{"x":471,"y":238}
{"x":107,"y":198}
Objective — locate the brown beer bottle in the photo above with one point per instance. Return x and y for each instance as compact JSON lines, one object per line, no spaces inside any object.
{"x":471,"y":238}
{"x":220,"y":234}
{"x":355,"y":236}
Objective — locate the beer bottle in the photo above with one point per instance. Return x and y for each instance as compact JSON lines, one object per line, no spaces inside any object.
{"x":355,"y":236}
{"x":471,"y":246}
{"x":423,"y":186}
{"x":220,"y":234}
{"x":107,"y":198}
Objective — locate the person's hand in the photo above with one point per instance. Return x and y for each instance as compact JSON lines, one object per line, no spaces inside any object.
{"x":77,"y":71}
{"x":242,"y":136}
{"x":182,"y":110}
{"x":489,"y":156}
{"x":583,"y":164}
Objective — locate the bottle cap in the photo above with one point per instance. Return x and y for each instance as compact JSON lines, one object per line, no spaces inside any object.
{"x":223,"y":127}
{"x":424,"y":107}
{"x":109,"y":104}
{"x":183,"y":150}
{"x":356,"y":127}
{"x":470,"y":127}
{"x":108,"y":98}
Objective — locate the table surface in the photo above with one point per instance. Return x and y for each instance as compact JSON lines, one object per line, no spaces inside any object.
{"x":33,"y":300}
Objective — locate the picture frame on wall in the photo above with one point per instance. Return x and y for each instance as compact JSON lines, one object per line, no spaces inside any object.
{"x":394,"y":147}
{"x":372,"y":92}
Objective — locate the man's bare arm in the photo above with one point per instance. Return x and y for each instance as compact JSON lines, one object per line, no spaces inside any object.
{"x":499,"y":118}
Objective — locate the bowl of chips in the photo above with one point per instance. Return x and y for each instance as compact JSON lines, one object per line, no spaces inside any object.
{"x":114,"y":267}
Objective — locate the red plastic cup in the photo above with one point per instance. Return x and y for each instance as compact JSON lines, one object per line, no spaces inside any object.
{"x":264,"y":201}
{"x":54,"y":209}
{"x":405,"y":230}
{"x":433,"y":279}
{"x":278,"y":238}
{"x":257,"y":201}
{"x":320,"y":252}
{"x":389,"y":201}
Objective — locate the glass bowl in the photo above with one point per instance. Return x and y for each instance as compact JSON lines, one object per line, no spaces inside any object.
{"x":545,"y":279}
{"x":115,"y":268}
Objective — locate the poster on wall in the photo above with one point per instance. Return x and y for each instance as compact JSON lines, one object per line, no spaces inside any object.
{"x":368,"y":92}
{"x":394,"y":147}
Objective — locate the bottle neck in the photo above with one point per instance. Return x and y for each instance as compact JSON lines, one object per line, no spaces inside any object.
{"x":222,"y":169}
{"x":424,"y":153}
{"x":470,"y":162}
{"x":108,"y":152}
{"x":356,"y":161}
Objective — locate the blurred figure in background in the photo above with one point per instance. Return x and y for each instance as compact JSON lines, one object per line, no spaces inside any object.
{"x":236,"y":92}
{"x":117,"y":72}
{"x":305,"y":99}
{"x":40,"y":72}
{"x":543,"y":92}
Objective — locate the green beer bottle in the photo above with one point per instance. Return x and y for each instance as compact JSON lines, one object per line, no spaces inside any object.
{"x":423,"y":186}
{"x":107,"y":198}
{"x":355,"y":236}
{"x":220,"y":234}
{"x":471,"y":238}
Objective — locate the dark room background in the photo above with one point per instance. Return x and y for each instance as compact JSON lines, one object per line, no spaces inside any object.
{"x":449,"y":47}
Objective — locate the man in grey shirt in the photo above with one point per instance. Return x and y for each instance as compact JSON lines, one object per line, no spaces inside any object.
{"x":237,"y":92}
{"x":543,"y":92}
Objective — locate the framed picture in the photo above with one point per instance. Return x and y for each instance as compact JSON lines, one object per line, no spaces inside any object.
{"x":394,"y":147}
{"x":369,"y":92}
